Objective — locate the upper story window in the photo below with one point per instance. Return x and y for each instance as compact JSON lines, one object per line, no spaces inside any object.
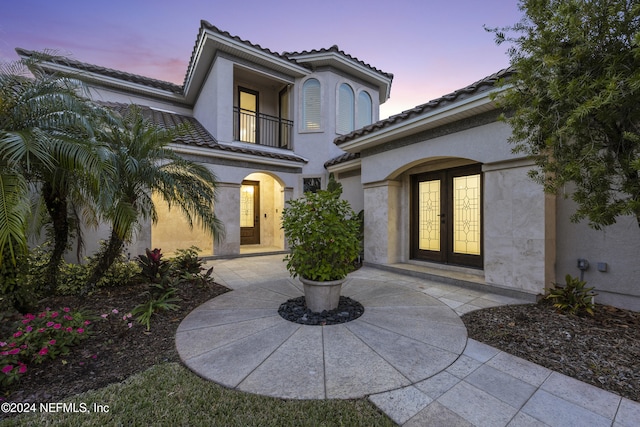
{"x":346,"y":109}
{"x":311,"y":105}
{"x":365,"y":110}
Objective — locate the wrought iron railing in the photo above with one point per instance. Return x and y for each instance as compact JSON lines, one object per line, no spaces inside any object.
{"x":262,"y":129}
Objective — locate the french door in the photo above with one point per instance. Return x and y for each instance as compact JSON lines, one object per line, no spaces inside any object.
{"x":446,"y":216}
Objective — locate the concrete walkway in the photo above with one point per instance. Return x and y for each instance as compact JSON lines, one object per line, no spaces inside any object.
{"x":408,"y":353}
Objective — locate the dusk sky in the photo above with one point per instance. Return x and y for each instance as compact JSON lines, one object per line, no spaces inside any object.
{"x":431,"y":47}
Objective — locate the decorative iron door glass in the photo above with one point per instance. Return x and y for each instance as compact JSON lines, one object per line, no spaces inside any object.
{"x":446,"y":218}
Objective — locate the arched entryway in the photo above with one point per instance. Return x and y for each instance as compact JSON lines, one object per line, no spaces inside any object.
{"x":261,"y":204}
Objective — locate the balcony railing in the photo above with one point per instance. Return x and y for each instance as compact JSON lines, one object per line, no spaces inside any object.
{"x":261,"y":129}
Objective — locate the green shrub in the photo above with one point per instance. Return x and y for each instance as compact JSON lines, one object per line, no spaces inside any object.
{"x":574,"y":297}
{"x":187,"y":261}
{"x":323,"y":235}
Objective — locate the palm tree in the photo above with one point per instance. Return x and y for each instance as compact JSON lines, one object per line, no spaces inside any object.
{"x":46,"y":129}
{"x":144,"y":164}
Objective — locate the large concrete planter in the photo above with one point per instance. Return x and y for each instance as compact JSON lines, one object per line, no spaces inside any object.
{"x":321,"y":296}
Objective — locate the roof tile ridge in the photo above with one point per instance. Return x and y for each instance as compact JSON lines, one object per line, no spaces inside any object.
{"x":109,"y":72}
{"x":336,"y":49}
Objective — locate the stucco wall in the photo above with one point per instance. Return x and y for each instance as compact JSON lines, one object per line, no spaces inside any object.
{"x":616,"y":245}
{"x":518,"y":218}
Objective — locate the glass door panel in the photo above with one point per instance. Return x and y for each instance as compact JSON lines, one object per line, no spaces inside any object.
{"x":429,"y":216}
{"x":248,"y":120}
{"x":466,"y":214}
{"x":446,"y":216}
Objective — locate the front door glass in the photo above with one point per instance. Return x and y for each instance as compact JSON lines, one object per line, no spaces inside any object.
{"x":446,"y":216}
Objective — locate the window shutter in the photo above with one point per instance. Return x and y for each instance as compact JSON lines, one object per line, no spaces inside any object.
{"x":364,"y":109}
{"x":345,"y":109}
{"x":311,"y":104}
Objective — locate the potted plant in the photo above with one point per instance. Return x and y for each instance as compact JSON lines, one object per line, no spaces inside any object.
{"x":323,"y":235}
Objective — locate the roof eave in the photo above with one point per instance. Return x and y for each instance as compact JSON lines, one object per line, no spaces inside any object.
{"x":473,"y":105}
{"x":211,"y":42}
{"x":114,"y":83}
{"x":347,"y":166}
{"x":231,"y":155}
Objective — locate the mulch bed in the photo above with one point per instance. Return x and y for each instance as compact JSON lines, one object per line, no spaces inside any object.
{"x":603,"y":350}
{"x":113,"y":351}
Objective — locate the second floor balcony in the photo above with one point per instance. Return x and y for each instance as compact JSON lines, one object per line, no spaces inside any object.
{"x":261,"y":129}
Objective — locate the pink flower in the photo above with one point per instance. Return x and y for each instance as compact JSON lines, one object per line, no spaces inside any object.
{"x":41,"y":315}
{"x":2,"y":343}
{"x":69,"y":329}
{"x":7,"y":369}
{"x":87,"y":323}
{"x":52,"y":342}
{"x":23,"y":368}
{"x":12,"y":344}
{"x":50,"y":324}
{"x":114,"y":311}
{"x":67,"y":317}
{"x":95,"y":356}
{"x":14,"y":351}
{"x":54,"y":314}
{"x":57,"y":326}
{"x":66,"y":309}
{"x":24,"y":346}
{"x":43,"y":351}
{"x":4,"y":353}
{"x":129,"y":324}
{"x":17,"y":334}
{"x":41,"y":330}
{"x":29,"y":329}
{"x":79,"y":330}
{"x":104,"y":316}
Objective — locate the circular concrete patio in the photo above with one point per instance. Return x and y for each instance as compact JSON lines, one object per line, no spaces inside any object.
{"x":240,"y":341}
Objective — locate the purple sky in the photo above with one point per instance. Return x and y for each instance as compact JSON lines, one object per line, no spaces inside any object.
{"x":432,"y":47}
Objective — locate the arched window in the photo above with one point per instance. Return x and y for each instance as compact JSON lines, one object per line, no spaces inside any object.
{"x":346,"y":109}
{"x":311,"y":105}
{"x":365,"y":110}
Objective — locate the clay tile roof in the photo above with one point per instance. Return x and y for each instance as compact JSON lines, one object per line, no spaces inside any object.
{"x":337,"y":50}
{"x":342,"y":159}
{"x":108,"y":72}
{"x":206,"y":25}
{"x":196,"y":134}
{"x":477,"y":87}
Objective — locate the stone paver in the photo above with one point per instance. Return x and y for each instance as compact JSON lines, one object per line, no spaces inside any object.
{"x":408,"y":353}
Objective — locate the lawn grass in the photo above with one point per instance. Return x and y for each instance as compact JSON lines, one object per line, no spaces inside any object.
{"x":169,"y":394}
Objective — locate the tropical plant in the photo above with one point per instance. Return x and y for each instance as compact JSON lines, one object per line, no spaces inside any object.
{"x":162,"y":297}
{"x":574,"y":297}
{"x":322,"y":231}
{"x":46,"y":131}
{"x":146,"y":165}
{"x":153,"y":267}
{"x":573,"y":101}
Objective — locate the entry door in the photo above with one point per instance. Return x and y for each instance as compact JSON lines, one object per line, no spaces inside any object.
{"x":250,"y":213}
{"x":248,"y":120}
{"x":446,"y":216}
